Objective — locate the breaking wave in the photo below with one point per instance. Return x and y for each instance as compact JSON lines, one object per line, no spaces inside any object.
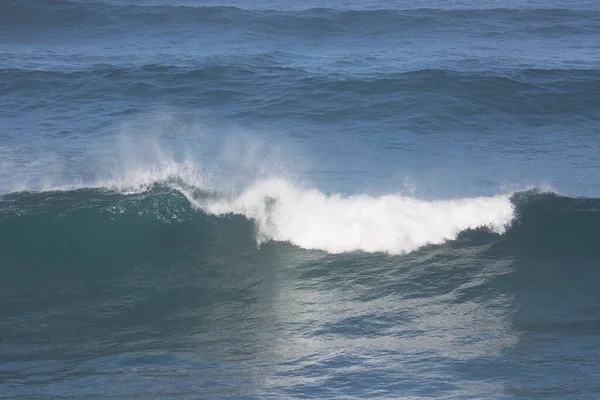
{"x":270,"y":210}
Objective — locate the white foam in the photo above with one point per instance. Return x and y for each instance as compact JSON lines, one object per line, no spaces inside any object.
{"x":393,"y":224}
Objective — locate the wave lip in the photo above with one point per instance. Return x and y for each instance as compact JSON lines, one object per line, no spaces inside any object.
{"x":392,"y":224}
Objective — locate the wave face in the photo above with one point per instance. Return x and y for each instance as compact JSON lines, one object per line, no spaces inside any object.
{"x":277,"y":211}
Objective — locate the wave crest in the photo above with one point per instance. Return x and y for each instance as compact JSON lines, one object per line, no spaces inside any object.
{"x":393,"y":224}
{"x":281,"y":212}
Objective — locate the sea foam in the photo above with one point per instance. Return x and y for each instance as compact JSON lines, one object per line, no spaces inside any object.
{"x":393,"y":224}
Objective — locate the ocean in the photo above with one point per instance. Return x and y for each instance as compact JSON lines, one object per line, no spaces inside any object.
{"x":322,"y":199}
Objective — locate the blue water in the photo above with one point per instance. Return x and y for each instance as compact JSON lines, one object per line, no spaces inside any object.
{"x":276,"y":199}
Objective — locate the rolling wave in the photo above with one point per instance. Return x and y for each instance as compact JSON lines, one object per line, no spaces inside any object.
{"x":275,"y":211}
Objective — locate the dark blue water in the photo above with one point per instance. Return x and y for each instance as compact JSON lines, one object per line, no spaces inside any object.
{"x":230,"y":199}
